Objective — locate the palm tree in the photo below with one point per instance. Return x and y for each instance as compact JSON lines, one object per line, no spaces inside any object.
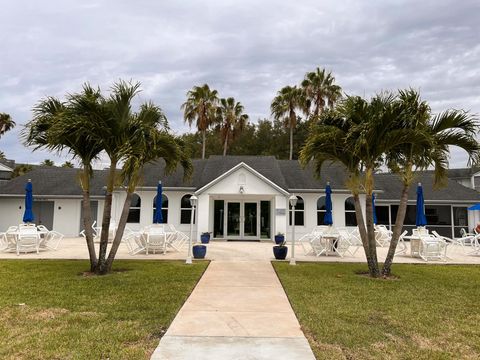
{"x":321,"y":90}
{"x":200,"y":107}
{"x":68,"y":164}
{"x":149,"y":140}
{"x":67,"y":126}
{"x":47,"y":162}
{"x":366,"y":130}
{"x":285,"y":105}
{"x":231,"y":120}
{"x":6,"y":123}
{"x":450,"y":128}
{"x":21,"y":169}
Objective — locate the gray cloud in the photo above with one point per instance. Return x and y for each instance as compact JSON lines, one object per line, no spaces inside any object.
{"x":247,"y":49}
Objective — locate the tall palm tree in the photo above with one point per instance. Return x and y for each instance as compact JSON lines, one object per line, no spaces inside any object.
{"x":285,"y":106}
{"x":231,"y":120}
{"x":321,"y":90}
{"x":148,"y":140}
{"x":450,"y":128}
{"x":200,"y":107}
{"x":66,"y":126}
{"x":6,"y":123}
{"x":47,"y":162}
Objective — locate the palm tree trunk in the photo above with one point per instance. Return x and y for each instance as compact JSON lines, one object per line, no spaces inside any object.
{"x":119,"y":233}
{"x":87,"y":220}
{"x":203,"y":143}
{"x":225,"y":146}
{"x":361,"y":225}
{"x":372,"y":260}
{"x":291,"y":141}
{"x":397,"y":230}
{"x":107,"y":213}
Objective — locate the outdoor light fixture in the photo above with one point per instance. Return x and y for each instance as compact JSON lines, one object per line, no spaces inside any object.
{"x":293,"y":202}
{"x":242,"y":189}
{"x":193,"y":203}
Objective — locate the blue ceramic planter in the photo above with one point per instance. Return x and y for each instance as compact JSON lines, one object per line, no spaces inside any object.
{"x":205,"y":238}
{"x":280,"y":252}
{"x":199,"y":251}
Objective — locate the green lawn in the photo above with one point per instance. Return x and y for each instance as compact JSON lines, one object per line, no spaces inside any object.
{"x":48,"y":310}
{"x":429,"y":312}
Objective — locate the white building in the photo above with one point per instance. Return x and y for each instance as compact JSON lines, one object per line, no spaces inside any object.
{"x":239,"y":198}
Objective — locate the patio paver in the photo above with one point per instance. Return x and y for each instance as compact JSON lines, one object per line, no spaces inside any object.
{"x":238,"y":310}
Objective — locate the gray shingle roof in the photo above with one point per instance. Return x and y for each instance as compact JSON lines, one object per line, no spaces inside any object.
{"x":392,"y":188}
{"x":56,"y":181}
{"x":287,"y":174}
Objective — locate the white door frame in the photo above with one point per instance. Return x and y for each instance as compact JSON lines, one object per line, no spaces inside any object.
{"x":241,"y":235}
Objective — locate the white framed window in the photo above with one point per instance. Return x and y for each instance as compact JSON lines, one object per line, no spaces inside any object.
{"x":185,"y":209}
{"x":299,"y":212}
{"x":134,"y":212}
{"x":321,"y":210}
{"x":350,"y":218}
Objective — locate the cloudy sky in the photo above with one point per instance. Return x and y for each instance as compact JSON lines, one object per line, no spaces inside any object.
{"x":245,"y":49}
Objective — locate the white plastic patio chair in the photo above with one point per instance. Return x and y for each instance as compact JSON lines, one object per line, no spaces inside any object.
{"x":432,"y":248}
{"x":112,"y":230}
{"x":175,"y":239}
{"x":318,"y":244}
{"x":28,"y":240}
{"x":94,"y":228}
{"x":420,"y":231}
{"x":155,"y":238}
{"x":401,"y":243}
{"x":52,"y":239}
{"x":356,"y":240}
{"x":135,"y":242}
{"x":475,"y":243}
{"x":383,"y":236}
{"x":343,"y":243}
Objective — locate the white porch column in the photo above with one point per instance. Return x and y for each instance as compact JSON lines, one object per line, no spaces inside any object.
{"x":203,"y":216}
{"x":280,"y":214}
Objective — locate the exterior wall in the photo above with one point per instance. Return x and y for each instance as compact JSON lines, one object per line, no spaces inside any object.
{"x":11,"y":212}
{"x":66,"y":216}
{"x":310,"y":213}
{"x":146,"y":208}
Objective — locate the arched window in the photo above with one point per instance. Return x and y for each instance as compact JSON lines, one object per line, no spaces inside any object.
{"x":350,"y":219}
{"x":185,"y":209}
{"x":134,"y":212}
{"x":164,"y":207}
{"x":299,"y":212}
{"x":321,"y":210}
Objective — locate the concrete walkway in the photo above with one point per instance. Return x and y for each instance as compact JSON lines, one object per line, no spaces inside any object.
{"x":238,"y":310}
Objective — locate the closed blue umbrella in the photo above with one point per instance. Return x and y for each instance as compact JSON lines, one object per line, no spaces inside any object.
{"x":157,"y":217}
{"x":421,"y":220}
{"x":328,"y":219}
{"x":373,"y":208}
{"x":28,"y":214}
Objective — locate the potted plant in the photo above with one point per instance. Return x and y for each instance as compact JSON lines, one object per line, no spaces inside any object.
{"x":199,"y":251}
{"x":280,"y":251}
{"x":205,"y":237}
{"x":279,"y":238}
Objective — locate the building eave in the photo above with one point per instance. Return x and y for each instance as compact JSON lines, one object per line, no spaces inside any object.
{"x":248,"y":168}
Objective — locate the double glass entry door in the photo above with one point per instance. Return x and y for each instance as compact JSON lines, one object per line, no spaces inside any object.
{"x":242,"y":220}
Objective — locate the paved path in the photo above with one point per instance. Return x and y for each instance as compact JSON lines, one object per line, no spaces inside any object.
{"x":238,"y":310}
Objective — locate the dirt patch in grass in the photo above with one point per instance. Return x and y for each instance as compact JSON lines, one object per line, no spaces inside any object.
{"x":382,"y":277}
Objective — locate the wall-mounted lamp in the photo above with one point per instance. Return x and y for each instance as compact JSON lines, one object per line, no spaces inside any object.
{"x":242,"y":189}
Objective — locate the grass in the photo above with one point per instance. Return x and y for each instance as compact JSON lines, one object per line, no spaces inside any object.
{"x":48,"y":310}
{"x":429,"y":312}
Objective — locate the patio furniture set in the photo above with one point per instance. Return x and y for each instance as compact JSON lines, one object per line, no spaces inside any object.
{"x":29,"y":238}
{"x":150,"y":239}
{"x":428,"y":246}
